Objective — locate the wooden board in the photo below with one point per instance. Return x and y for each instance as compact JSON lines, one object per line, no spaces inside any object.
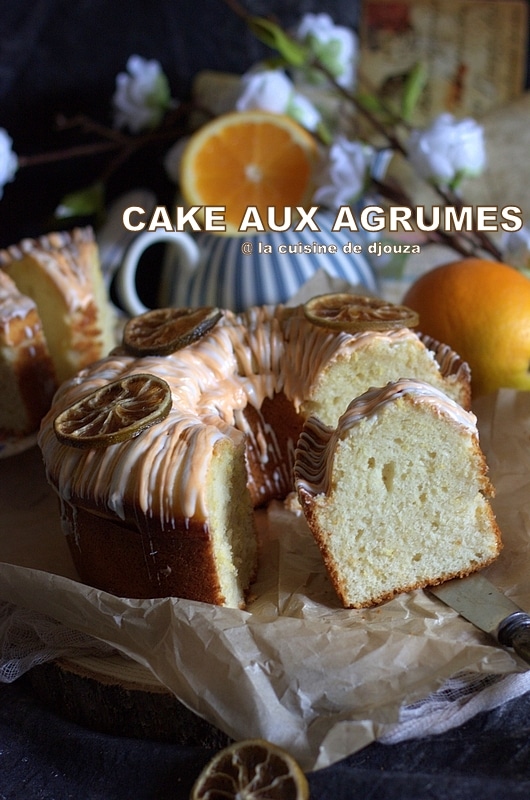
{"x":474,"y":52}
{"x":119,"y":697}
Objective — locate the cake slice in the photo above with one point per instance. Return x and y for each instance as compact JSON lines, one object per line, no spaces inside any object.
{"x":397,"y":495}
{"x":27,"y":376}
{"x":375,"y":358}
{"x":61,"y":273}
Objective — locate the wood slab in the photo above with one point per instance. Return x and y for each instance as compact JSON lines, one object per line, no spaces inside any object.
{"x":120,"y":697}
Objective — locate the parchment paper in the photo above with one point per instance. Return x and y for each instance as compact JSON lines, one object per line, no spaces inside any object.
{"x":294,"y":668}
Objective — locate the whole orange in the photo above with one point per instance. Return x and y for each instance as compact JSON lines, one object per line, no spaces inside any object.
{"x":482,"y":310}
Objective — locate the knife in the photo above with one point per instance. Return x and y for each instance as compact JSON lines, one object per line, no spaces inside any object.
{"x":480,"y":602}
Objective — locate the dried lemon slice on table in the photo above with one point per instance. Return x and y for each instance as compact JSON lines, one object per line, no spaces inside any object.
{"x":164,"y":330}
{"x":114,"y":412}
{"x":253,"y":769}
{"x":354,"y":313}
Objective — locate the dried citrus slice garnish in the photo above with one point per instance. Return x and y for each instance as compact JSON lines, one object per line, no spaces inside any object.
{"x":163,"y":330}
{"x":354,"y":313}
{"x":114,"y":412}
{"x":253,"y":769}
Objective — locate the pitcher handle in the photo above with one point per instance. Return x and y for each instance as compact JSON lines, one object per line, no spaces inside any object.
{"x":188,"y":252}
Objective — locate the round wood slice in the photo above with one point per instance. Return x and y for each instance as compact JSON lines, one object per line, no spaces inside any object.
{"x":120,"y":697}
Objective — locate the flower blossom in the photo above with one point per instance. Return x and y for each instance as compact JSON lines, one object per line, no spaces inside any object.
{"x":448,"y":150}
{"x":345,"y":173}
{"x":142,"y":95}
{"x":8,"y":160}
{"x":334,"y":45}
{"x":272,"y":90}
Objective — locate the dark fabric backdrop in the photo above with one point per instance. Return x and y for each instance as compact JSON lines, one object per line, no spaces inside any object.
{"x":62,"y":57}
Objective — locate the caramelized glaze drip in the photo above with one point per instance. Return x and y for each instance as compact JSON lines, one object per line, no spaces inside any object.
{"x":450,"y":362}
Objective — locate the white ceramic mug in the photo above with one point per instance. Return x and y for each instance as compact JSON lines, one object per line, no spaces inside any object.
{"x":237,"y":272}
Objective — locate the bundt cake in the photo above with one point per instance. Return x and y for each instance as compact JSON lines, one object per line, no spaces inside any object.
{"x":159,"y":455}
{"x":396,"y":494}
{"x":61,"y":273}
{"x":27,"y":375}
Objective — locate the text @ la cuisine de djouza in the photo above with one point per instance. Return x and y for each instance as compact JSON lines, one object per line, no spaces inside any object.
{"x":373,"y":219}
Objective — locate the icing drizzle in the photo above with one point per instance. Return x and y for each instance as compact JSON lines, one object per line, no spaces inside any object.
{"x":161,"y":473}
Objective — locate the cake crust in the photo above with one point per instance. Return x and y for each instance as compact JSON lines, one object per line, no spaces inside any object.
{"x":113,"y":556}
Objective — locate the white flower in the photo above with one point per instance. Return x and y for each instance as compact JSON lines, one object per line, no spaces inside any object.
{"x":344,"y":175}
{"x":334,"y":45}
{"x":448,"y":150}
{"x":142,"y":95}
{"x":265,"y":89}
{"x":272,"y":90}
{"x":8,"y":160}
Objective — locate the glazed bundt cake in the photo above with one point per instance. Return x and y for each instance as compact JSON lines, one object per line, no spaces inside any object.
{"x":61,"y":273}
{"x":27,"y":375}
{"x":160,"y":452}
{"x":396,"y":494}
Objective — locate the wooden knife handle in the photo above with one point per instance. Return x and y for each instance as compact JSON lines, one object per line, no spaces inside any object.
{"x":514,"y":631}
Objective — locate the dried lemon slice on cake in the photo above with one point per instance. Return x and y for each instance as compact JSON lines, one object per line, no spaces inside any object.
{"x":354,"y":313}
{"x":164,"y":330}
{"x":253,"y":769}
{"x":114,"y":412}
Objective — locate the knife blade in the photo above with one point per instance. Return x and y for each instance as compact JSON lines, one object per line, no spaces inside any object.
{"x":480,"y":602}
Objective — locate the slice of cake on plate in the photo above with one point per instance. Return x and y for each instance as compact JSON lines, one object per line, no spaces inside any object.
{"x":61,"y":273}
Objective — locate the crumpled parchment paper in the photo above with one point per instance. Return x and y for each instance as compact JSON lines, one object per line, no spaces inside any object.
{"x":295,"y":667}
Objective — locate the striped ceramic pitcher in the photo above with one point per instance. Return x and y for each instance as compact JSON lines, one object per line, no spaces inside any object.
{"x":237,"y":272}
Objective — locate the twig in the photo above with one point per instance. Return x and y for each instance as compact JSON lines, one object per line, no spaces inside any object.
{"x":172,"y":127}
{"x":477,"y":238}
{"x":79,"y":151}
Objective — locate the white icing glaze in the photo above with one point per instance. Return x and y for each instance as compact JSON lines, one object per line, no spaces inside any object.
{"x":13,"y":304}
{"x":161,"y":472}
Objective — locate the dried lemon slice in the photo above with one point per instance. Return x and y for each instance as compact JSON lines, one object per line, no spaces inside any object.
{"x":163,"y":330}
{"x":354,"y":313}
{"x":114,"y":412}
{"x":251,"y":769}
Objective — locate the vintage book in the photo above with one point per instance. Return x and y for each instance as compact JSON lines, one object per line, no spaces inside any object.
{"x":474,"y":52}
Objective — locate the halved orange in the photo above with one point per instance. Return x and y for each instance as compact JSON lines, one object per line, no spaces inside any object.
{"x":248,"y":158}
{"x":253,"y":769}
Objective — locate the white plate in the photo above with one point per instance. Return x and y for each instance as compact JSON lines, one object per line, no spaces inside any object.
{"x":12,"y":445}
